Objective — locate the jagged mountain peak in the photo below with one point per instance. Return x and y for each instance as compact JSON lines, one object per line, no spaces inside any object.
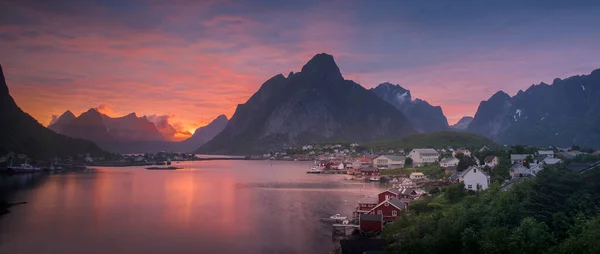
{"x":3,"y":86}
{"x":314,"y":105}
{"x":23,"y":134}
{"x":68,"y":113}
{"x":322,"y":66}
{"x":422,"y":115}
{"x":560,"y":114}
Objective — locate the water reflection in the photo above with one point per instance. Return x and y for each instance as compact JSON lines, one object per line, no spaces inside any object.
{"x":210,"y":207}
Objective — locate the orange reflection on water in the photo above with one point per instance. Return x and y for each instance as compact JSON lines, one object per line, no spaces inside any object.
{"x":179,"y":190}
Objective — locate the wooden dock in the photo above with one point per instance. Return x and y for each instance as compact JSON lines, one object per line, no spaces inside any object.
{"x":343,"y":230}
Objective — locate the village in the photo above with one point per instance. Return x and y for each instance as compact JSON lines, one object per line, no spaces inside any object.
{"x":421,"y":172}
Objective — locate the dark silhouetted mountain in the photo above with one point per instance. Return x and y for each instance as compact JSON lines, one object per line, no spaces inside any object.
{"x":314,"y":105}
{"x":463,"y":123}
{"x":89,"y":126}
{"x":422,"y":116}
{"x":59,"y":123}
{"x":204,"y":134}
{"x":564,"y":113}
{"x":20,"y":133}
{"x":132,"y":128}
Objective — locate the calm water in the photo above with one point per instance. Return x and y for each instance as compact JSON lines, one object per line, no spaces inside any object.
{"x":208,"y":207}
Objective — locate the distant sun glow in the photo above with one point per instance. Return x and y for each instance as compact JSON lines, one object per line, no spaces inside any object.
{"x":190,"y":61}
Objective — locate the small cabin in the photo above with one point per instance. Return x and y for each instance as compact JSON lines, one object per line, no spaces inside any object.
{"x":370,"y":222}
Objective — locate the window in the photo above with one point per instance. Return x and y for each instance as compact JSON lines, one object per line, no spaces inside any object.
{"x":379,"y":212}
{"x":474,"y":170}
{"x":387,"y":204}
{"x":394,"y":213}
{"x":387,"y":197}
{"x":469,"y":186}
{"x":363,"y":205}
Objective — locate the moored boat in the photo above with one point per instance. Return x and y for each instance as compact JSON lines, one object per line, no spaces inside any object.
{"x":314,"y":170}
{"x":23,"y":168}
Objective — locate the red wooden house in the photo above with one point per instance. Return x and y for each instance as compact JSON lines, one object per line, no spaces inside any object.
{"x":369,"y":171}
{"x":366,"y":205}
{"x":389,"y":209}
{"x":370,"y":222}
{"x":398,"y":193}
{"x":387,"y":194}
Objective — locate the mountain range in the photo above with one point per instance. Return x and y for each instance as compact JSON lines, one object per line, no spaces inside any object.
{"x":21,"y":133}
{"x":565,"y":113}
{"x":422,"y":116}
{"x":130,"y":133}
{"x":314,"y":105}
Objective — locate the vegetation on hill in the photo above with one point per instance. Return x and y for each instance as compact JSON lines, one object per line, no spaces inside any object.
{"x":555,"y":212}
{"x":440,"y":139}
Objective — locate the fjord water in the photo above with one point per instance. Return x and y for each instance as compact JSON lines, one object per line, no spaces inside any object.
{"x":208,"y":207}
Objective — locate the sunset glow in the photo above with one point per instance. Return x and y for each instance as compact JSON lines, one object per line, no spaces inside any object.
{"x":194,"y":60}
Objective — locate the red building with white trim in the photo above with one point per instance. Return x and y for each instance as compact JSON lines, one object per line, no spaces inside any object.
{"x":389,"y":209}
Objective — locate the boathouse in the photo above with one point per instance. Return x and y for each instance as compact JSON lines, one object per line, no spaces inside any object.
{"x":369,"y":171}
{"x":370,"y":222}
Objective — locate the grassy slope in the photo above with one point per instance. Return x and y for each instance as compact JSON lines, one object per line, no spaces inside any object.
{"x":434,"y":140}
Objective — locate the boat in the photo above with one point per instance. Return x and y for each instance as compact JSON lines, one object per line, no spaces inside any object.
{"x":162,"y":168}
{"x":338,"y":217}
{"x":395,"y":180}
{"x":23,"y":168}
{"x":374,"y":179}
{"x":314,"y":170}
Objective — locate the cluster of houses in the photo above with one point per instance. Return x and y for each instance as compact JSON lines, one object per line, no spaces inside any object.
{"x":373,"y":212}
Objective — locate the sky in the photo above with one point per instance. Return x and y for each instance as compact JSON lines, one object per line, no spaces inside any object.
{"x":190,"y":61}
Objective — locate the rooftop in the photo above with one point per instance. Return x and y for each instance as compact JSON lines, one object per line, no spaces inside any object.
{"x":425,"y":150}
{"x":371,"y":217}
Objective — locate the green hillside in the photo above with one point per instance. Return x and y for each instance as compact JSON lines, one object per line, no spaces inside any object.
{"x":434,"y":140}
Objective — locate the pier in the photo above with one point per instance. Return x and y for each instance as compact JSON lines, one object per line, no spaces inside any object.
{"x":343,"y":230}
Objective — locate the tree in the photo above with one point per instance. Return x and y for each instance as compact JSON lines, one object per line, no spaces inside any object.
{"x":519,"y":149}
{"x":464,"y":162}
{"x":454,"y":192}
{"x":408,"y":161}
{"x":530,"y":237}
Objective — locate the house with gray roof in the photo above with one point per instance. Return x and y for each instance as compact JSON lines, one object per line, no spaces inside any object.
{"x":514,"y":158}
{"x":424,"y":156}
{"x":518,"y":170}
{"x":389,"y":161}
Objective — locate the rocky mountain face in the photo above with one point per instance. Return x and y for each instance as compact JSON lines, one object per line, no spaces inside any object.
{"x":20,"y":133}
{"x":463,"y":123}
{"x":131,"y":127}
{"x":423,"y":116}
{"x":59,"y":123}
{"x":204,"y":134}
{"x":313,"y":105}
{"x":562,"y":114}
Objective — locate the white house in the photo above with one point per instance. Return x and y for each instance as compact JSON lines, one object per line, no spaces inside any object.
{"x":307,"y":147}
{"x":463,"y":151}
{"x":491,"y":161}
{"x":416,"y":175}
{"x":514,"y":158}
{"x":449,"y":162}
{"x":518,"y":170}
{"x":475,"y":179}
{"x":424,"y":156}
{"x":546,"y":153}
{"x":389,"y":161}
